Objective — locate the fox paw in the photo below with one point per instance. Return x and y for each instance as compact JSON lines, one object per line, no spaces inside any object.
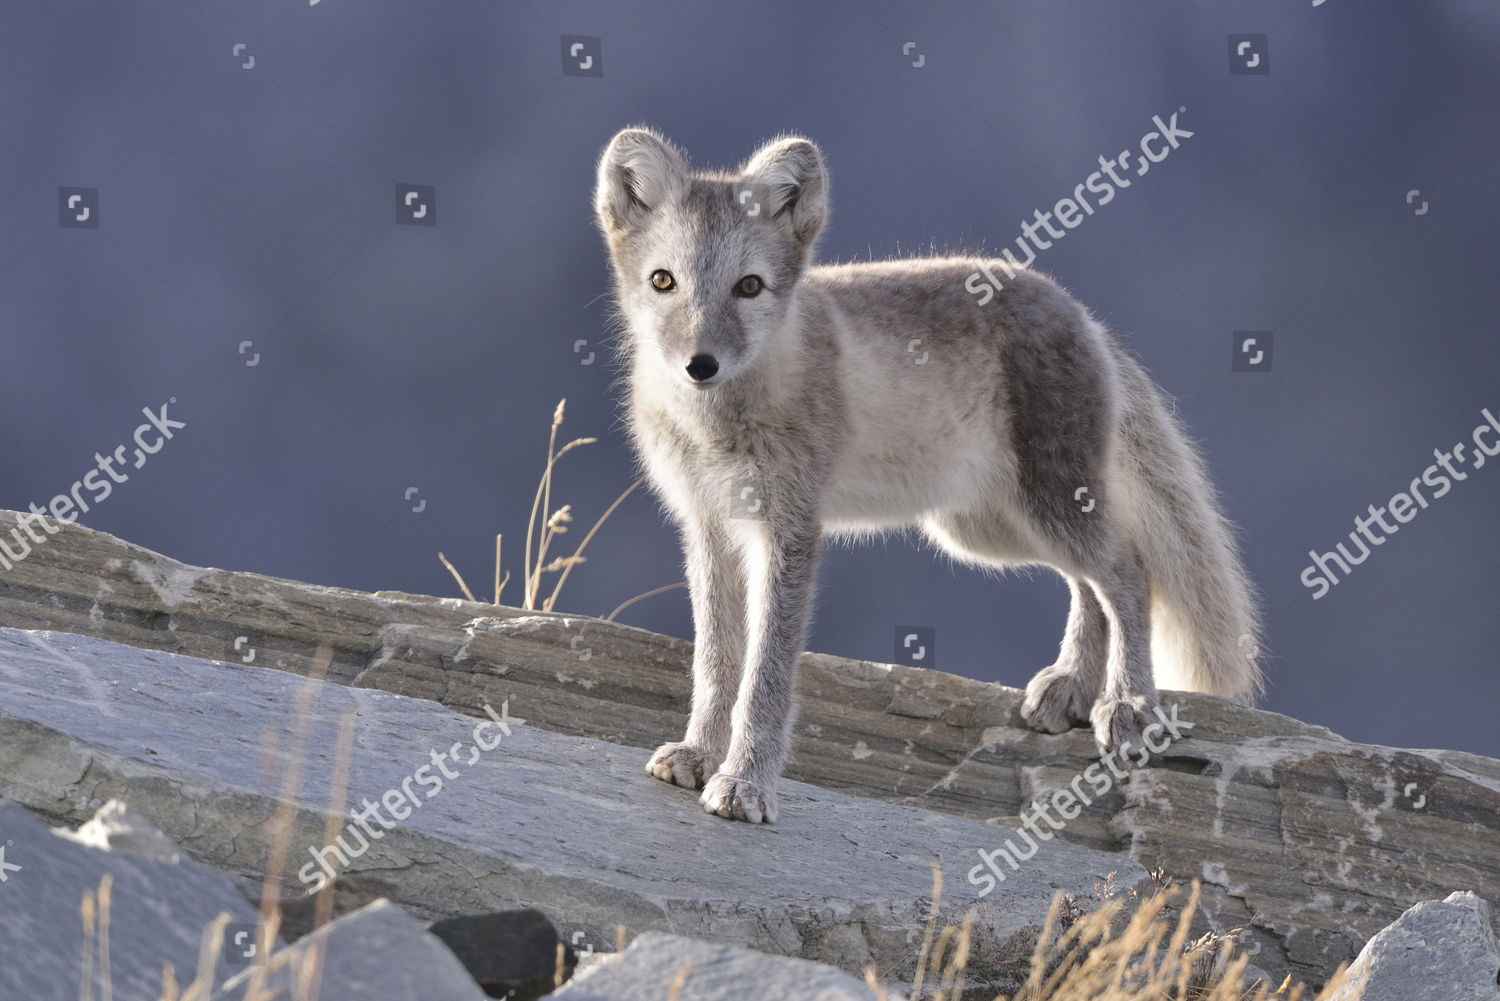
{"x":1056,"y":700}
{"x":739,"y":799}
{"x":1120,"y":723}
{"x":681,"y":764}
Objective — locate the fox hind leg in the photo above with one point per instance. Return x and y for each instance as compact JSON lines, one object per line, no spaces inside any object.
{"x":1062,"y":696}
{"x":1125,"y":706}
{"x":1103,"y":674}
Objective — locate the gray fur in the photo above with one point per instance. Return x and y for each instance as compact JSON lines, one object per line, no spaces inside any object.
{"x":863,"y":398}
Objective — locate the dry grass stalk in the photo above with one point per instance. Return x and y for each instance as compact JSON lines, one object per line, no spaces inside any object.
{"x":1112,"y":954}
{"x":459,"y":577}
{"x":642,"y":597}
{"x":86,"y":986}
{"x":674,"y":992}
{"x":552,"y":524}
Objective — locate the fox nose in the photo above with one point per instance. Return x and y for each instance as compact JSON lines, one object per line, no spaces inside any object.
{"x":701,"y":368}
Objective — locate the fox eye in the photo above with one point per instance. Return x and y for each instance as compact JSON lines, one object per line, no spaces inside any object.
{"x":663,"y":281}
{"x":748,"y":287}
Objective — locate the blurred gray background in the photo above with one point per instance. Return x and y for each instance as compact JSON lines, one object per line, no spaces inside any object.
{"x":242,"y":165}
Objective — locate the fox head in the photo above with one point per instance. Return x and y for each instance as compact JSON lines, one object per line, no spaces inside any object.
{"x":707,"y":264}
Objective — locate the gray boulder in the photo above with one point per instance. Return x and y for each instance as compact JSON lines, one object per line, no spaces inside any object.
{"x":159,"y":909}
{"x":647,"y":970}
{"x":376,"y":952}
{"x":1439,"y":950}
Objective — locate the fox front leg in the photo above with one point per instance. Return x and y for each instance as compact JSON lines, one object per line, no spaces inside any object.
{"x":780,"y":567}
{"x":718,"y":597}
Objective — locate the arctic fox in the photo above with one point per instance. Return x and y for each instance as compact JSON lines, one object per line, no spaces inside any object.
{"x":773,"y":401}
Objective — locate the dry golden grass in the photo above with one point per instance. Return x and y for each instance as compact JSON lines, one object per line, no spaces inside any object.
{"x":543,"y":528}
{"x":1128,"y":949}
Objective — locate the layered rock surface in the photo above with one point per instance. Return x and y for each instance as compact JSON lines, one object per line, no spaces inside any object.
{"x":1311,"y":841}
{"x":490,"y":815}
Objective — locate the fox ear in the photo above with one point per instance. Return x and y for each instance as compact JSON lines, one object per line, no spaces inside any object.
{"x":795,"y":180}
{"x":639,"y":172}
